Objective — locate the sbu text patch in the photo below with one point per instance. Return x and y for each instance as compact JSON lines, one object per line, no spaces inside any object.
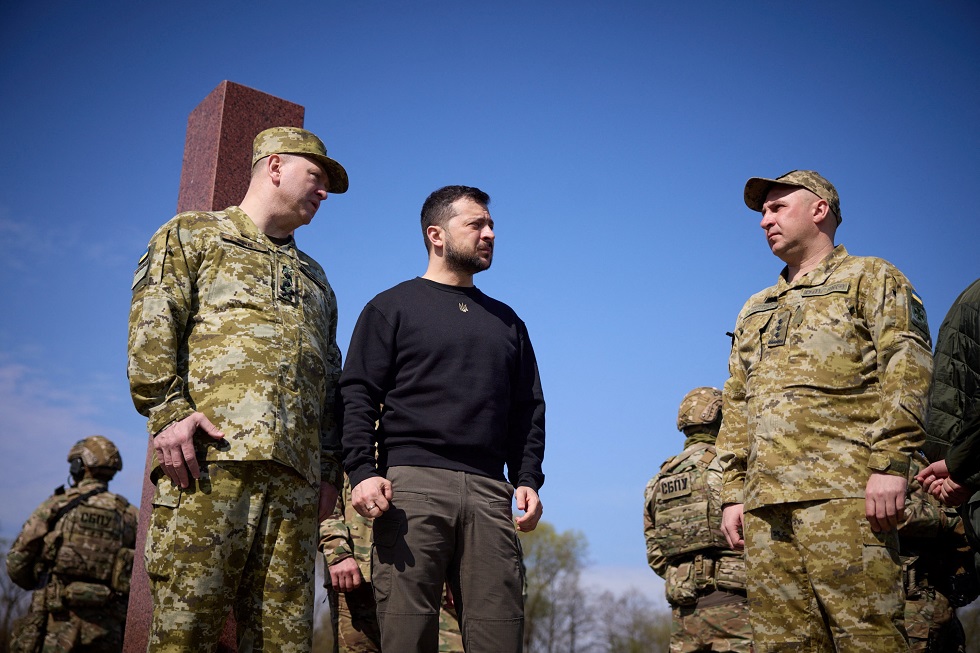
{"x":678,"y":485}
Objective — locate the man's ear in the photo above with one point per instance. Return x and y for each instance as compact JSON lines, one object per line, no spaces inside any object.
{"x":820,"y":210}
{"x":274,"y":164}
{"x":435,"y":235}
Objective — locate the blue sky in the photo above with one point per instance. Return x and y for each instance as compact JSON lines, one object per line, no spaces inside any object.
{"x":614,"y":138}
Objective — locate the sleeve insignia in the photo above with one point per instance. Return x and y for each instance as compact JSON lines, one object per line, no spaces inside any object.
{"x":917,"y":317}
{"x":141,"y":275}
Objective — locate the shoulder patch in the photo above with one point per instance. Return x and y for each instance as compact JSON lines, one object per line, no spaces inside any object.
{"x":917,"y":316}
{"x":141,"y":276}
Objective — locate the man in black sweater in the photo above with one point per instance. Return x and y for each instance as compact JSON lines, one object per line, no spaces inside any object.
{"x":449,"y":377}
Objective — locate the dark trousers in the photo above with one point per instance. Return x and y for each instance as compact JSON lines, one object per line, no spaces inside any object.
{"x":446,"y":525}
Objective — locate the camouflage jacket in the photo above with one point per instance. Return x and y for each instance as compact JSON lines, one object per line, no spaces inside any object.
{"x":226,"y":322}
{"x":829,"y":376}
{"x":34,"y":554}
{"x":347,"y":534}
{"x":682,"y":509}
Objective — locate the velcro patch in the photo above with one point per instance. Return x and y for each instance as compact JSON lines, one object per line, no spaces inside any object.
{"x":843,"y":286}
{"x":778,"y":329}
{"x":142,"y":270}
{"x":244,"y":242}
{"x":678,"y":485}
{"x":917,"y":316}
{"x":759,"y":308}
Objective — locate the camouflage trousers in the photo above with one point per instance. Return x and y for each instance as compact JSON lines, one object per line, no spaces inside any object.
{"x":356,"y":621}
{"x":820,"y":578}
{"x":90,"y":630}
{"x":932,"y":624}
{"x":723,"y":626}
{"x":356,"y":624}
{"x":242,"y":537}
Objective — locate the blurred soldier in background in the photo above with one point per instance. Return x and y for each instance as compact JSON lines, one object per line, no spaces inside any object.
{"x":345,"y":540}
{"x":938,"y":570}
{"x":705,"y":579}
{"x":76,"y":553}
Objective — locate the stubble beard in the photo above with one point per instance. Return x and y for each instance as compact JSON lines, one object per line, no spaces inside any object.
{"x":457,"y":261}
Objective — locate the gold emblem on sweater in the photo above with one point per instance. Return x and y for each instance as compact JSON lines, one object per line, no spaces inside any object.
{"x":463,"y":308}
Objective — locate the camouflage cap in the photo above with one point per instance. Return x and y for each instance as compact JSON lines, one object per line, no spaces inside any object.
{"x":757,"y":188}
{"x":293,"y":140}
{"x":96,"y":451}
{"x":699,"y":406}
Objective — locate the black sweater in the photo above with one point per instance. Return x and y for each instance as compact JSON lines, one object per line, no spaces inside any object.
{"x":456,"y":374}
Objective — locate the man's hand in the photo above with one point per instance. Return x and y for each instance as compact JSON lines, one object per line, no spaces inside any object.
{"x":528,"y":501}
{"x":929,"y":476}
{"x":884,"y":501}
{"x":328,"y":501}
{"x":175,"y":447}
{"x":731,"y":525}
{"x":372,"y":496}
{"x":952,"y":493}
{"x":345,"y":575}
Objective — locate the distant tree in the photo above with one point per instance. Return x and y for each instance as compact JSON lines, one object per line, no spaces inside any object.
{"x":556,"y":615}
{"x":14,"y":601}
{"x":630,"y":623}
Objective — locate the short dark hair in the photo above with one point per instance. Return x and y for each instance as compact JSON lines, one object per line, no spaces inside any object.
{"x":437,"y":209}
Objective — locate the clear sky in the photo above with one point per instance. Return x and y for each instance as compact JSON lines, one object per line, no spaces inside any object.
{"x":614,"y":138}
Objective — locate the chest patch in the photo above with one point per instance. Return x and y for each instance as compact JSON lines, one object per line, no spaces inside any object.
{"x":842,"y":287}
{"x":778,"y":328}
{"x":675,"y":486}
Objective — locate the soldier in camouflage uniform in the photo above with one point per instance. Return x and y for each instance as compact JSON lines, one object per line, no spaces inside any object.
{"x":824,"y":407}
{"x":76,"y":553}
{"x":705,"y":580}
{"x":346,"y":540}
{"x":939,"y":574}
{"x":233,"y":359}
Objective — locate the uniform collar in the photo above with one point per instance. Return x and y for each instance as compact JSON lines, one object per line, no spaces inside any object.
{"x":248,"y":229}
{"x":815,"y":277}
{"x":91,"y":484}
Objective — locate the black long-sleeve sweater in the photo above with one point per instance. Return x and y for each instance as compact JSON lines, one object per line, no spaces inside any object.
{"x":456,"y":374}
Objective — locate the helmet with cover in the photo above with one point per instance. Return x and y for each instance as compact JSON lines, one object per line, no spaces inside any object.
{"x":699,"y":407}
{"x":96,"y":453}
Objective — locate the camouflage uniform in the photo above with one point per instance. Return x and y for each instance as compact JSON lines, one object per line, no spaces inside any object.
{"x":939,"y":574}
{"x":226,"y":322}
{"x":349,"y":535}
{"x":705,"y":580}
{"x":828,"y":383}
{"x":76,"y":552}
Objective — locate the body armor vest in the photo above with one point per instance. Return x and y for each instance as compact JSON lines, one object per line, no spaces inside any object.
{"x":687,"y":503}
{"x":87,"y":541}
